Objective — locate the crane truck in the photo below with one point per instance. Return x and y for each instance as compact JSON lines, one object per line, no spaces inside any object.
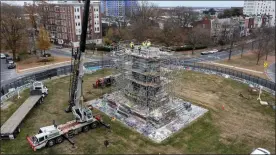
{"x":84,"y":119}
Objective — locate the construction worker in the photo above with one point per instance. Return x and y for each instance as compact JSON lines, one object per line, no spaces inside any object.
{"x":132,"y":46}
{"x":143,"y":44}
{"x":139,"y":49}
{"x":148,"y":43}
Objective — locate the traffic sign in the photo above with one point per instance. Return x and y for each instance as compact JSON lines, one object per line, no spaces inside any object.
{"x":265,"y":64}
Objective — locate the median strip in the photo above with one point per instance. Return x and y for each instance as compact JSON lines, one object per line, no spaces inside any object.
{"x":45,"y":66}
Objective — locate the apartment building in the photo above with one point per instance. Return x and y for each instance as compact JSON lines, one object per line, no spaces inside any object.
{"x":64,"y":21}
{"x":118,"y":8}
{"x":263,"y":9}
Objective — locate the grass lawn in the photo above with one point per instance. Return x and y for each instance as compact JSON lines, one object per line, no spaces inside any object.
{"x":242,"y":126}
{"x":248,"y":61}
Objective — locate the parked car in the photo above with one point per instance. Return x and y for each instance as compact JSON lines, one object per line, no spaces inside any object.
{"x":11,"y":65}
{"x":59,"y":47}
{"x":209,"y":52}
{"x":7,"y":55}
{"x":8,"y":59}
{"x":260,"y":151}
{"x":3,"y":56}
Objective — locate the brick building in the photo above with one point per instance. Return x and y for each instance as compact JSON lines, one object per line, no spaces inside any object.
{"x":64,"y":21}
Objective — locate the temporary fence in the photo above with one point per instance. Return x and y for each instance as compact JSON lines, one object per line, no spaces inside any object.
{"x":47,"y":74}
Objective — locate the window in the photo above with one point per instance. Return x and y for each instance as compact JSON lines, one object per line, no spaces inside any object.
{"x":78,"y":17}
{"x":78,"y":23}
{"x":41,"y":139}
{"x":98,"y":29}
{"x":78,"y":10}
{"x":95,"y":29}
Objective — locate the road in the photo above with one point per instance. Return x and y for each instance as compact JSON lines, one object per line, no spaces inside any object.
{"x":210,"y":57}
{"x":5,"y":72}
{"x":271,"y":72}
{"x":8,"y":76}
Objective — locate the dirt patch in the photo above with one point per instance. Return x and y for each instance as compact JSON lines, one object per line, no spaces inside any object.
{"x":36,"y":62}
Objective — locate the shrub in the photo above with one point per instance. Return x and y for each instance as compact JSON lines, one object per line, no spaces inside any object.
{"x":99,"y":48}
{"x":22,"y":56}
{"x":45,"y":59}
{"x":188,"y":47}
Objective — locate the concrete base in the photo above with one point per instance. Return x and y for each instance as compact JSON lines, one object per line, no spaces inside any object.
{"x":156,"y":132}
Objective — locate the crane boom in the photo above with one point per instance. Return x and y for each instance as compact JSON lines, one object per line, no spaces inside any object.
{"x":80,"y":112}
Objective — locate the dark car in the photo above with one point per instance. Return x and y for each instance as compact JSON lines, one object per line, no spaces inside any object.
{"x":11,"y":65}
{"x":8,"y":59}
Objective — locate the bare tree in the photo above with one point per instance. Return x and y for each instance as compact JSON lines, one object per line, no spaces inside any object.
{"x":31,"y":10}
{"x":144,"y":21}
{"x":224,"y":34}
{"x":184,"y":16}
{"x":197,"y":36}
{"x":260,"y":51}
{"x":170,"y":34}
{"x":234,"y":37}
{"x":269,"y":37}
{"x":146,"y":12}
{"x":265,"y":38}
{"x":12,"y":27}
{"x":242,"y":50}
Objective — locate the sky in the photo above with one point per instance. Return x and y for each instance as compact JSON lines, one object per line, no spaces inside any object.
{"x":184,"y":3}
{"x":200,"y":3}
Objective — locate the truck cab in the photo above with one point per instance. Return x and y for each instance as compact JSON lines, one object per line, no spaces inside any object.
{"x":45,"y":134}
{"x":37,"y":85}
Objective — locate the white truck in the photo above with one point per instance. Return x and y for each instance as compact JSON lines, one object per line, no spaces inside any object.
{"x":10,"y":128}
{"x":260,"y":151}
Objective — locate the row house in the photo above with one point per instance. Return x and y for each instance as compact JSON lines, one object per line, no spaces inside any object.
{"x":216,"y":26}
{"x":64,"y":21}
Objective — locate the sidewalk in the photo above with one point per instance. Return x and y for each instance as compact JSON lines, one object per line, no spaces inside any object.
{"x":245,"y":70}
{"x":234,"y":67}
{"x":270,"y":72}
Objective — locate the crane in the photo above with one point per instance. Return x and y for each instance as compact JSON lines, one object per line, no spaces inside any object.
{"x":84,"y":119}
{"x":80,"y":112}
